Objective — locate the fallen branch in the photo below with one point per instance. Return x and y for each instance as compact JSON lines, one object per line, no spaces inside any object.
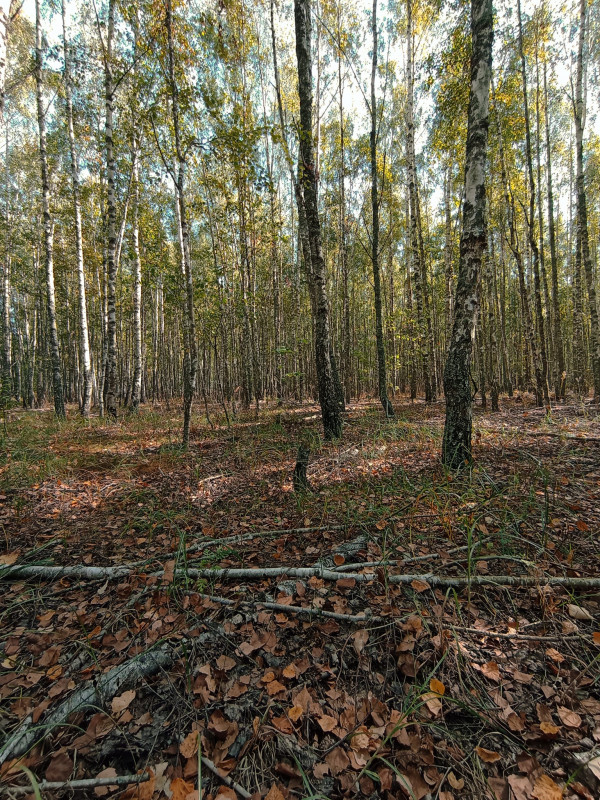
{"x":85,"y":783}
{"x":225,"y":778}
{"x":310,"y":611}
{"x":91,"y":694}
{"x":227,"y":573}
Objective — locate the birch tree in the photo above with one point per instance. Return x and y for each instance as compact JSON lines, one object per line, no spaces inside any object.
{"x":456,"y":445}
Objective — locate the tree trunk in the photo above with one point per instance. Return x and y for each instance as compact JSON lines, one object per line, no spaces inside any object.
{"x":416,"y":243}
{"x":110,"y":401}
{"x":328,"y":396}
{"x":582,"y":221}
{"x":380,"y":344}
{"x":190,"y":360}
{"x":84,"y":341}
{"x":541,"y":385}
{"x":136,"y":389}
{"x":456,"y":446}
{"x":57,"y":387}
{"x":559,"y":354}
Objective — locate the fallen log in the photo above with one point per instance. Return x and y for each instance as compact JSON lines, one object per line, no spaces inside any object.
{"x":227,"y":573}
{"x":90,"y":695}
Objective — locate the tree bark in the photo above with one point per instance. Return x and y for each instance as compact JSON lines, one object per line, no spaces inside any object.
{"x":582,"y":219}
{"x":136,"y":388}
{"x":110,"y":401}
{"x":559,"y":353}
{"x":57,"y":387}
{"x":380,"y":344}
{"x":84,"y":340}
{"x":190,"y":360}
{"x":307,"y":179}
{"x":423,"y":324}
{"x":456,"y":446}
{"x":542,"y":395}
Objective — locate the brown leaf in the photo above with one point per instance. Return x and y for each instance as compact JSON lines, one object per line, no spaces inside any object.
{"x":327,"y":723}
{"x":569,"y":718}
{"x":491,"y":671}
{"x":181,"y":789}
{"x":420,"y":586}
{"x":169,"y":571}
{"x":360,"y":639}
{"x":275,"y":687}
{"x":290,"y":671}
{"x":110,"y":772}
{"x":189,"y":746}
{"x":225,"y":663}
{"x":295,"y":713}
{"x":121,"y":702}
{"x":274,"y":793}
{"x":338,"y":559}
{"x":338,"y":760}
{"x":455,"y":783}
{"x":549,"y":728}
{"x":225,"y":793}
{"x":489,"y":756}
{"x":437,"y":687}
{"x":7,"y":559}
{"x":545,"y":789}
{"x":60,"y":767}
{"x":282,"y":724}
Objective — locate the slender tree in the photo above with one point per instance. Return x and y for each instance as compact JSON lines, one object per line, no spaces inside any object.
{"x":579,"y":113}
{"x":57,"y":386}
{"x":380,"y":344}
{"x":84,"y":339}
{"x":307,"y":180}
{"x":456,"y":446}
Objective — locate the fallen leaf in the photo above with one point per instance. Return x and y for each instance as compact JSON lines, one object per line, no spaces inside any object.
{"x":569,"y":718}
{"x":338,"y":760}
{"x":455,"y":783}
{"x":437,"y":687}
{"x":295,"y":713}
{"x":360,"y":639}
{"x":169,"y":571}
{"x":419,"y":586}
{"x":189,"y":746}
{"x":60,"y":767}
{"x":489,"y":756}
{"x":546,"y":789}
{"x":225,"y":663}
{"x":121,"y":702}
{"x":223,"y":793}
{"x":491,"y":671}
{"x":180,"y":790}
{"x":7,"y":559}
{"x":274,"y":793}
{"x":327,"y":723}
{"x":110,"y":772}
{"x":577,"y":612}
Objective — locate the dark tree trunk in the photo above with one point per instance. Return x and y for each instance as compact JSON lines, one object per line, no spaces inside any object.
{"x":328,"y":395}
{"x":456,"y":446}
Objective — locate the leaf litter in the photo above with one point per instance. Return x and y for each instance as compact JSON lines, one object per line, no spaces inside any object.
{"x":475,"y":692}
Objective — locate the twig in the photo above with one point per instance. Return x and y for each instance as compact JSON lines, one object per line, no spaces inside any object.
{"x":311,"y":611}
{"x":225,"y":778}
{"x":87,"y":783}
{"x":525,"y":636}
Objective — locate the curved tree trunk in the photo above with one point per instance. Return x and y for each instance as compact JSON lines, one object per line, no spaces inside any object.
{"x":456,"y":446}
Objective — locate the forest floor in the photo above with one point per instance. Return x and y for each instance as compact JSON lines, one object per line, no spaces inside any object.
{"x":305,"y":685}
